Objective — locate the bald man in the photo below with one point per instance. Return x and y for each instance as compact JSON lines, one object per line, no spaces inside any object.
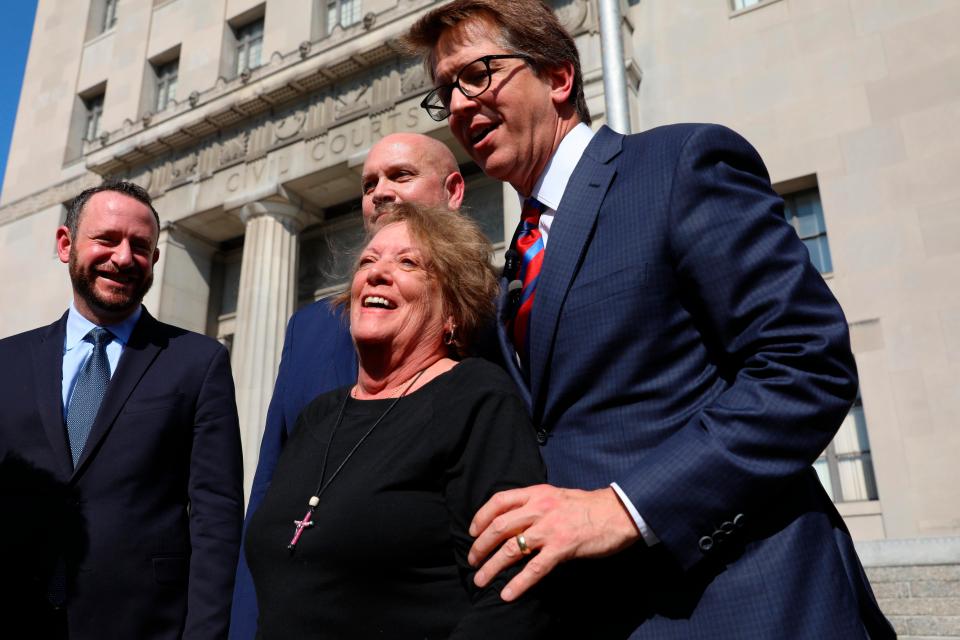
{"x":409,"y":167}
{"x":318,"y":352}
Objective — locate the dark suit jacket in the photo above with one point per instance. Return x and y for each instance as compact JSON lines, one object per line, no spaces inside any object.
{"x":318,"y":356}
{"x":156,"y":496}
{"x":683,"y":346}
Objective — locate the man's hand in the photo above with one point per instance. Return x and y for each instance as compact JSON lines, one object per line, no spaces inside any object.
{"x":557,"y":524}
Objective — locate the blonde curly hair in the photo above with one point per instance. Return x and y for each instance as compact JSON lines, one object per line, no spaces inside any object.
{"x":458,"y":258}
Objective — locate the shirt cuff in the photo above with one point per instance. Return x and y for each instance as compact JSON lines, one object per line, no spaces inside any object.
{"x":645,"y":531}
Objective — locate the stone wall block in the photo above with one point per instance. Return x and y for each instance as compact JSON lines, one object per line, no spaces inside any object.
{"x":888,"y":590}
{"x":938,"y":626}
{"x":935,"y":589}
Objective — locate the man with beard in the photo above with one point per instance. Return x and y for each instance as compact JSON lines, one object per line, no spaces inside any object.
{"x":318,"y":352}
{"x":137,"y":420}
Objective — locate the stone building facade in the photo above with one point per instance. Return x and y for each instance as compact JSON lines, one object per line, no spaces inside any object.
{"x":249,"y":121}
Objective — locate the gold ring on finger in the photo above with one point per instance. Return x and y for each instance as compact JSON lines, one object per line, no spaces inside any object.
{"x":522,"y":543}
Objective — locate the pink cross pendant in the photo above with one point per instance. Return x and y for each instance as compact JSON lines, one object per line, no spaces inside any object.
{"x":301,"y":525}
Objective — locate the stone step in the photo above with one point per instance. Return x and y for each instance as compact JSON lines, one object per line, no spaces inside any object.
{"x":941,"y":627}
{"x":931,"y":573}
{"x":919,"y":606}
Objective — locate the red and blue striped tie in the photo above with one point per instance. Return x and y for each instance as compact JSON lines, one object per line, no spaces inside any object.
{"x":530,"y":247}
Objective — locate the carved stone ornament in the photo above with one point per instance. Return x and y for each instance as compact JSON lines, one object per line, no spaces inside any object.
{"x":146,"y":119}
{"x":369,"y":20}
{"x":571,"y":13}
{"x":185,"y":167}
{"x":290,"y":124}
{"x":193,"y":98}
{"x":233,"y":149}
{"x":353,"y":99}
{"x":245,"y":75}
{"x":104,"y":138}
{"x":144,"y":178}
{"x":413,"y":79}
{"x":304,"y":48}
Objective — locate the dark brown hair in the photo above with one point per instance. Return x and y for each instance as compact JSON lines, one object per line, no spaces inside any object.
{"x":527,"y":27}
{"x":75,"y":208}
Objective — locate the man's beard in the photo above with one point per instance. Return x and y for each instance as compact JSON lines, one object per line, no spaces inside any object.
{"x":83,"y":284}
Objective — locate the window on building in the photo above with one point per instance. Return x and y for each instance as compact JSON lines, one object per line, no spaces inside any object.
{"x":166,"y":84}
{"x":805,"y":213}
{"x":342,"y":12}
{"x":743,"y":4}
{"x":94,"y":107}
{"x":845,"y":468}
{"x":109,"y":15}
{"x":249,"y":45}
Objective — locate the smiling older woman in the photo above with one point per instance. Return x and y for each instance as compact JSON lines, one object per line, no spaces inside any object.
{"x":363,"y":532}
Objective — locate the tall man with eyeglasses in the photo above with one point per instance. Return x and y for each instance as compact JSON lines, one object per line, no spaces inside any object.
{"x":684,"y":361}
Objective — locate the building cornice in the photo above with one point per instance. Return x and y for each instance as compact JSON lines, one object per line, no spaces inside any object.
{"x":358,"y":72}
{"x":313,"y":67}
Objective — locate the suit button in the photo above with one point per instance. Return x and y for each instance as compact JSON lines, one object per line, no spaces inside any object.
{"x":738,"y":521}
{"x":706,"y":543}
{"x":541,"y":436}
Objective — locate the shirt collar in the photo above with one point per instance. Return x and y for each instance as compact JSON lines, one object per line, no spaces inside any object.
{"x":553,"y":181}
{"x":78,"y":327}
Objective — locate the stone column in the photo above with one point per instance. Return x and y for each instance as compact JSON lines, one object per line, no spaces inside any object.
{"x":181,"y":278}
{"x":268,"y":289}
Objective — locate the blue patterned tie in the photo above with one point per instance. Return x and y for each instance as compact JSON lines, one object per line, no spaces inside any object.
{"x":88,"y":392}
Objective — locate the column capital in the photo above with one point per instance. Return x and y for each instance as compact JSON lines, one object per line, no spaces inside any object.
{"x":276,"y":202}
{"x":185,"y":238}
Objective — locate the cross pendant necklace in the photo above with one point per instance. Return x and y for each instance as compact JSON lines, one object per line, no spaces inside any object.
{"x":307,"y":521}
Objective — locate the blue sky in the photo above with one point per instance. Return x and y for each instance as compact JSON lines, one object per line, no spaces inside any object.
{"x":15,"y":30}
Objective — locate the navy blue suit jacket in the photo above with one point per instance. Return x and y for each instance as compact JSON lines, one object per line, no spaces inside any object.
{"x":146,"y":528}
{"x":318,"y":355}
{"x":683,"y":346}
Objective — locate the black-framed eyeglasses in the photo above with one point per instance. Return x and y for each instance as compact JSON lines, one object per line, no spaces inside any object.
{"x":472,"y":80}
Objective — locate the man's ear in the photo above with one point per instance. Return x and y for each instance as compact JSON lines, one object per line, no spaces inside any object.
{"x":156,"y":255}
{"x":64,"y":242}
{"x":560,"y":78}
{"x":455,"y":188}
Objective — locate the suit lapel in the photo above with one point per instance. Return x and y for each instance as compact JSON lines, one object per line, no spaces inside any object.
{"x":506,"y":344}
{"x":569,"y":237}
{"x":504,"y":316}
{"x":138,"y":355}
{"x":48,"y":377}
